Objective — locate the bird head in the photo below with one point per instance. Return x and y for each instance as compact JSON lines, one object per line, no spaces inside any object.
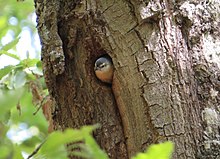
{"x":104,"y":69}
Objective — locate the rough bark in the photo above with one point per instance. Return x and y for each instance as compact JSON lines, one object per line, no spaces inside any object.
{"x":165,"y":87}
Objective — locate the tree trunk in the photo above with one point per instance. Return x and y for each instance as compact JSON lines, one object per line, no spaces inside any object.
{"x":166,"y":79}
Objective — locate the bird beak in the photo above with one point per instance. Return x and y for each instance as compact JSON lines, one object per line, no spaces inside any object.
{"x":95,"y":68}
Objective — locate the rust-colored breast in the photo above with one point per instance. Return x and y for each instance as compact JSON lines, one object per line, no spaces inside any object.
{"x":105,"y":76}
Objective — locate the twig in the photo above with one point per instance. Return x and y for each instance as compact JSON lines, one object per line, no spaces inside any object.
{"x":40,"y":105}
{"x":36,"y":150}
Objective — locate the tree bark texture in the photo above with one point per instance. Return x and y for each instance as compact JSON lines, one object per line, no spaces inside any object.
{"x":166,"y":81}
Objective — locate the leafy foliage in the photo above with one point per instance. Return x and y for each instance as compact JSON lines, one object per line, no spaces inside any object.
{"x":83,"y":145}
{"x":58,"y":139}
{"x":14,"y":16}
{"x":20,"y":130}
{"x":160,"y":151}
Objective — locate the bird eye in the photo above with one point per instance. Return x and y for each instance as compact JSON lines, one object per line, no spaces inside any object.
{"x":102,"y":65}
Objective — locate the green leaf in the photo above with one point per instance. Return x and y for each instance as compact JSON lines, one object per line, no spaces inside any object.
{"x":27,"y":110}
{"x":39,"y":64}
{"x":6,"y":117}
{"x":55,"y":144}
{"x":3,"y":52}
{"x":58,"y":138}
{"x":29,"y":62}
{"x":58,"y":153}
{"x":4,"y":151}
{"x":9,"y":99}
{"x":4,"y":71}
{"x":17,"y":152}
{"x":56,"y":141}
{"x":158,"y":151}
{"x":90,"y":149}
{"x":94,"y":149}
{"x":4,"y":128}
{"x":10,"y":45}
{"x":19,"y":79}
